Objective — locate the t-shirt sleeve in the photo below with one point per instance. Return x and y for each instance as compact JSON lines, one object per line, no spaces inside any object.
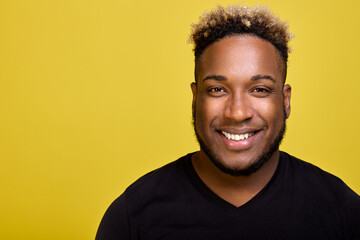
{"x":114,"y":224}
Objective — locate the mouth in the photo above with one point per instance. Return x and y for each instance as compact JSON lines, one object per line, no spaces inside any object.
{"x":237,"y":137}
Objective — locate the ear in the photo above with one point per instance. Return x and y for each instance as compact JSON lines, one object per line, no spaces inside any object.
{"x":194,"y":92}
{"x":287,"y":97}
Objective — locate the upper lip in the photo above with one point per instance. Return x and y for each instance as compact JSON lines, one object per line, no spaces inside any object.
{"x":233,"y":130}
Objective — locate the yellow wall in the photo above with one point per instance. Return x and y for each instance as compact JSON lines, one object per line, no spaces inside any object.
{"x":93,"y":94}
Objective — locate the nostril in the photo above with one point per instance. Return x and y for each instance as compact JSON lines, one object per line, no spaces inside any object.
{"x":239,"y":112}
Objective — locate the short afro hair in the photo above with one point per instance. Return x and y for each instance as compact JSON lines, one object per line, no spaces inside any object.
{"x":233,"y":20}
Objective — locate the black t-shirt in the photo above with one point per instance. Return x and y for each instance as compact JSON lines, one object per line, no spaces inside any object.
{"x":300,"y":201}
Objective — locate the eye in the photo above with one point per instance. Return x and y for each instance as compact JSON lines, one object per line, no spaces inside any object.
{"x":216,"y":91}
{"x":261,"y":91}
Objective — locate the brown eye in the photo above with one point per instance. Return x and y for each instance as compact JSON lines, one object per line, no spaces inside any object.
{"x":260,"y":92}
{"x":216,"y":89}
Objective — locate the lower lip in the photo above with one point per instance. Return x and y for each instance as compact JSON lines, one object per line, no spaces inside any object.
{"x":241,"y":144}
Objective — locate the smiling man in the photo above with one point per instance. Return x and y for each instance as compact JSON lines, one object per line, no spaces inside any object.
{"x":239,"y":185}
{"x":240,"y":105}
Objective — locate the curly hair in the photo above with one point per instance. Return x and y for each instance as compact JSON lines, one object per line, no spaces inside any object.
{"x":232,"y":20}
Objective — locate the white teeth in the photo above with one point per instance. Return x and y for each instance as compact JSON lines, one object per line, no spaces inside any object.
{"x":237,"y":137}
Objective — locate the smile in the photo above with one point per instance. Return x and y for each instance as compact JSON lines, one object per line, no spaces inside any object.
{"x":237,"y":137}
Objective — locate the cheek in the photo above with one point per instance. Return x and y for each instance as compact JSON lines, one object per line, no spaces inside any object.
{"x":208,"y":109}
{"x":271,"y":112}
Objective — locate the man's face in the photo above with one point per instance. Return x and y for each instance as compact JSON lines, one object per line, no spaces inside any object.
{"x":240,"y":103}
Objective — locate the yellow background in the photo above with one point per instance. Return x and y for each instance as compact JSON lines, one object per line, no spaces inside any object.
{"x":95,"y":93}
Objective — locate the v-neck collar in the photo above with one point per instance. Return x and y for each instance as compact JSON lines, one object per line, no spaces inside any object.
{"x":221,"y":203}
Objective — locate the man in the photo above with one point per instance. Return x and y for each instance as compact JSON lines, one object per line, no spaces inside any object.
{"x":239,"y":185}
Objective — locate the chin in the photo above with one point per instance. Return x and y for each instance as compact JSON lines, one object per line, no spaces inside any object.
{"x":243,"y":168}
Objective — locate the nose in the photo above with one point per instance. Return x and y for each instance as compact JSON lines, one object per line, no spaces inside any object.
{"x":238,"y":108}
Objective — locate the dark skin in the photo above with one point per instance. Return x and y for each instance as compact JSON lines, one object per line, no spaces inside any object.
{"x":239,"y":100}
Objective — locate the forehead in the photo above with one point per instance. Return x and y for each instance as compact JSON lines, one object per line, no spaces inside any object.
{"x":240,"y":55}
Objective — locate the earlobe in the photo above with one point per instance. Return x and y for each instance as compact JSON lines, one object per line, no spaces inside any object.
{"x":287,"y":98}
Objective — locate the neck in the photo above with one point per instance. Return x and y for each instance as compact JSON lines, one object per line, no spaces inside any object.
{"x":237,"y":190}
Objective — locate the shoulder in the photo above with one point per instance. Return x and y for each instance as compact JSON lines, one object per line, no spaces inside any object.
{"x":152,"y":187}
{"x":308,"y":173}
{"x":162,"y":185}
{"x":314,"y":185}
{"x":170,"y":174}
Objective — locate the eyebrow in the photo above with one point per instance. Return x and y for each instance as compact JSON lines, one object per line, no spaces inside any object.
{"x":215,"y":77}
{"x":258,"y":77}
{"x":254,"y":78}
